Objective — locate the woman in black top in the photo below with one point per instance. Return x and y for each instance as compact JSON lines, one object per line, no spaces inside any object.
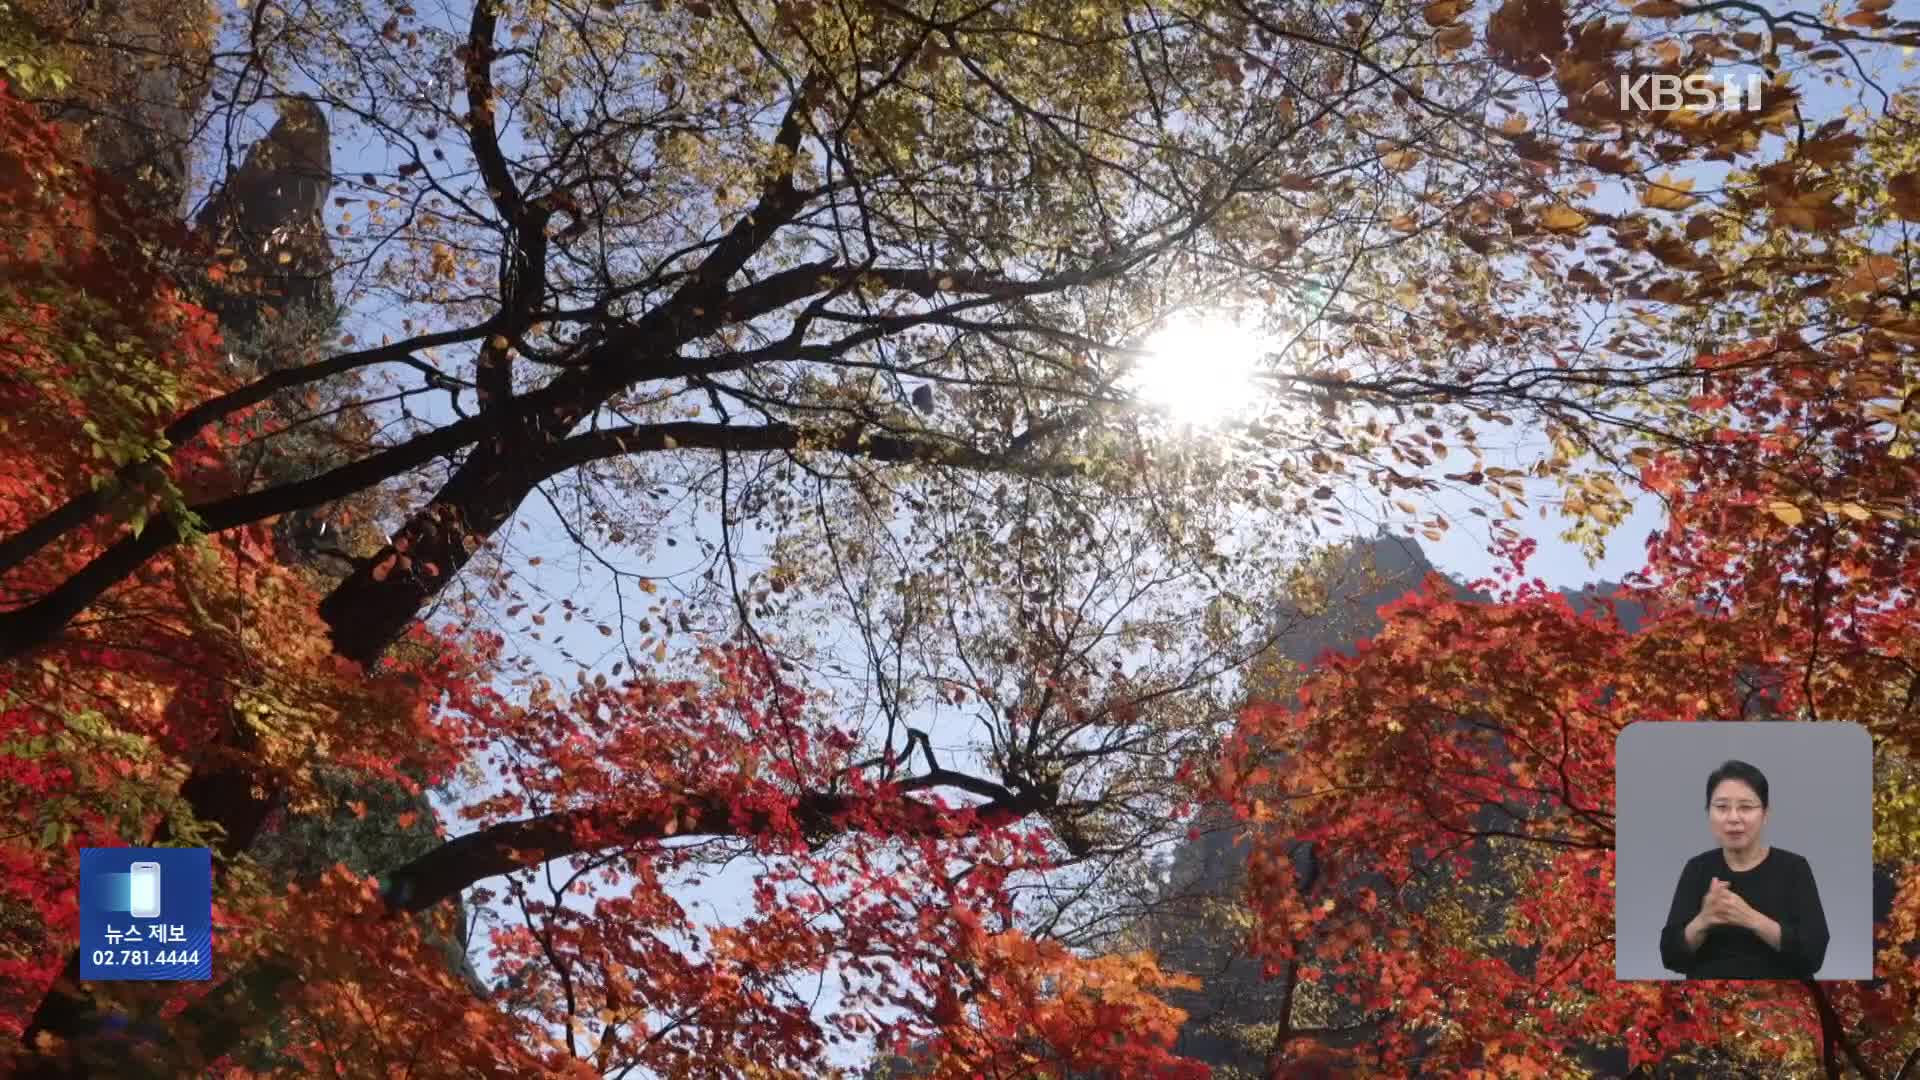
{"x":1744,"y":910}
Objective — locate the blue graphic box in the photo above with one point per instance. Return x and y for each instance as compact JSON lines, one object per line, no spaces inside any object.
{"x":146,"y":913}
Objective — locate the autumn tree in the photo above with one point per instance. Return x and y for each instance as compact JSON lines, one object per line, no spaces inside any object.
{"x":1779,"y":586}
{"x":1471,"y":734}
{"x":123,"y":80}
{"x":857,"y":426}
{"x":97,"y":736}
{"x":870,"y":279}
{"x":224,"y":633}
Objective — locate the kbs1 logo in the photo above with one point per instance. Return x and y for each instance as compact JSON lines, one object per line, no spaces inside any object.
{"x":1667,"y":93}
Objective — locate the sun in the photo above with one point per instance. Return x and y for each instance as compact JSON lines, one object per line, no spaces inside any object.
{"x":1201,"y":369}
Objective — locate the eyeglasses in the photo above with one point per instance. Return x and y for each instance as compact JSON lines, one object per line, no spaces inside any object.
{"x":1743,"y":808}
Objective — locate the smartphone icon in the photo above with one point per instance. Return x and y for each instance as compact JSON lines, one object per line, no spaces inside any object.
{"x":146,"y":890}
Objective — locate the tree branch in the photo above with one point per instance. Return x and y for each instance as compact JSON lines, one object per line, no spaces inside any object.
{"x":1834,"y":1032}
{"x":446,"y":871}
{"x":852,"y":439}
{"x":82,"y":508}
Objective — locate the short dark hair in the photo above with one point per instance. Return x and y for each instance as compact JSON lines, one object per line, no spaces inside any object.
{"x":1741,"y":771}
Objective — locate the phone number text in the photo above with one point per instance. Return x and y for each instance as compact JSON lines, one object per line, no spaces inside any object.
{"x":144,"y":957}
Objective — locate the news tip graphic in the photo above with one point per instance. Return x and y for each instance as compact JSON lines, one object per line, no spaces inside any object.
{"x":146,"y":913}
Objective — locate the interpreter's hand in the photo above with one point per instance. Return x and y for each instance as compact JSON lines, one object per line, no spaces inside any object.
{"x":1738,"y":911}
{"x":1712,"y":904}
{"x":1724,"y":907}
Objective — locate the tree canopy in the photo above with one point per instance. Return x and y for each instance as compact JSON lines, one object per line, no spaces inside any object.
{"x":814,"y":330}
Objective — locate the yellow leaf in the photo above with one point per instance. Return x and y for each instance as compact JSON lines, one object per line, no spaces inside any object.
{"x":1563,"y":219}
{"x":1785,"y":511}
{"x":1855,"y":511}
{"x":1668,"y":193}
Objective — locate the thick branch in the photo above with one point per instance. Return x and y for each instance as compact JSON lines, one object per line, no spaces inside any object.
{"x":481,"y":136}
{"x":26,"y":628}
{"x":443,"y":873}
{"x":524,"y":266}
{"x":82,"y":508}
{"x":853,"y":439}
{"x":559,"y":406}
{"x":700,"y":303}
{"x":220,"y":1022}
